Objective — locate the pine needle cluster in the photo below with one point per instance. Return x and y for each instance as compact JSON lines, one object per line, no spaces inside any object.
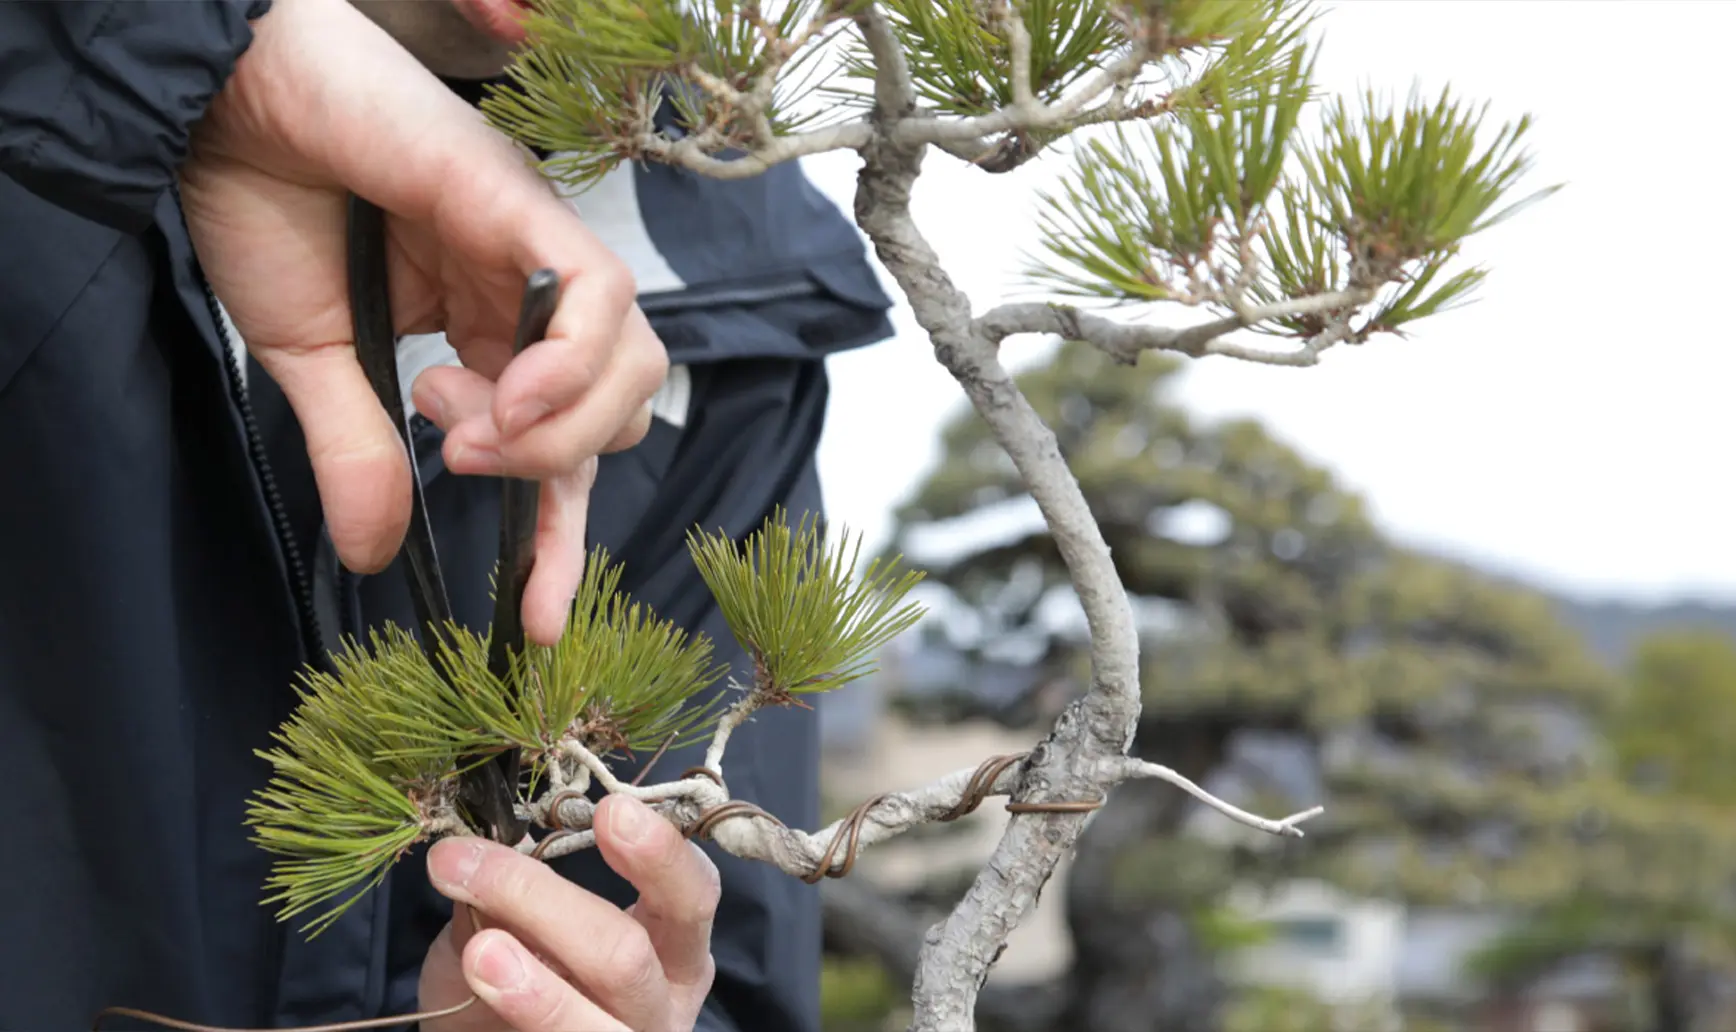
{"x":960,"y":62}
{"x":366,"y":767}
{"x":1227,"y":194}
{"x":363,"y":770}
{"x":798,"y":607}
{"x":589,"y":82}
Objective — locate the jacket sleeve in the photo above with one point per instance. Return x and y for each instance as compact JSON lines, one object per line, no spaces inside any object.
{"x":98,"y":97}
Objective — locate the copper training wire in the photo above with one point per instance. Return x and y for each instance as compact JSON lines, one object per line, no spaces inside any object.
{"x":848,"y":837}
{"x":338,"y":1026}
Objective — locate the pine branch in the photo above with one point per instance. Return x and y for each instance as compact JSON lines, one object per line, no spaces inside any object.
{"x":1125,"y":342}
{"x":833,"y":849}
{"x":366,"y":766}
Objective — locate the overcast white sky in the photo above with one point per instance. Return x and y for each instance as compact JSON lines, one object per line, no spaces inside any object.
{"x":1575,"y":425}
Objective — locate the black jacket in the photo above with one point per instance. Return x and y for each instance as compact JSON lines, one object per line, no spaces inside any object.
{"x":163,"y":571}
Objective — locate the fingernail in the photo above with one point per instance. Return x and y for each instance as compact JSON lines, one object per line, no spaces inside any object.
{"x":450,"y":867}
{"x":433,"y":408}
{"x":499,"y":965}
{"x":473,"y":459}
{"x":629,"y":820}
{"x":522,"y":417}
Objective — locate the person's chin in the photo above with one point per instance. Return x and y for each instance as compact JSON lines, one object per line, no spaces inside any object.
{"x":500,"y":20}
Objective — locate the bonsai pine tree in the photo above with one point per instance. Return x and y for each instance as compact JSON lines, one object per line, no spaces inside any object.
{"x":1204,"y":173}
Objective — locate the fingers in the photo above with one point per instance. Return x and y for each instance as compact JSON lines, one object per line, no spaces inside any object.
{"x":614,"y":414}
{"x":606,"y":951}
{"x":552,"y":411}
{"x":522,"y":990}
{"x":678,"y":885}
{"x":459,"y":401}
{"x":562,"y":508}
{"x":557,"y":371}
{"x":359,"y":462}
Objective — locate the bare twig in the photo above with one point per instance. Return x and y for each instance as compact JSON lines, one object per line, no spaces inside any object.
{"x":1018,"y":53}
{"x":732,"y":719}
{"x":895,"y":108}
{"x":695,"y":153}
{"x":1063,"y":116}
{"x":593,"y":763}
{"x":800,"y":852}
{"x":1286,"y":827}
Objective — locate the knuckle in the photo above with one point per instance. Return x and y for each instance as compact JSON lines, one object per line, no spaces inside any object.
{"x":550,"y":1005}
{"x":630,"y":965}
{"x":504,"y":884}
{"x":569,"y":453}
{"x":589,"y":366}
{"x":648,"y":349}
{"x":637,"y":427}
{"x":709,"y":892}
{"x":546,"y":453}
{"x":692,"y":886}
{"x":615,"y":281}
{"x":689,"y":889}
{"x":649,"y":373}
{"x":705,"y":974}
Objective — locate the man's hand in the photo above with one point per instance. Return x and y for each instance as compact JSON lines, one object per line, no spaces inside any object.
{"x":555,"y":958}
{"x":322,"y":104}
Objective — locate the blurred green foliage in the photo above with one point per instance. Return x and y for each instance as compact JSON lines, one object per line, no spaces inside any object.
{"x":1669,"y":733}
{"x":1675,"y":730}
{"x":857,"y":996}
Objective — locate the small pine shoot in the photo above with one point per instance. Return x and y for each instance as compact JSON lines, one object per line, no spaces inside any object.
{"x":796,"y":605}
{"x":362,"y":771}
{"x":619,"y":678}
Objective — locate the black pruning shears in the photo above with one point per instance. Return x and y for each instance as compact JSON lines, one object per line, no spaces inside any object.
{"x":487,"y":785}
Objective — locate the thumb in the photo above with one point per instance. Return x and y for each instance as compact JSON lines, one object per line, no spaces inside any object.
{"x":359,"y":462}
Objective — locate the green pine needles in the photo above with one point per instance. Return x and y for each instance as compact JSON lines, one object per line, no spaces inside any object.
{"x":593,"y":71}
{"x":366,"y":767}
{"x":798,"y":609}
{"x":959,"y":64}
{"x":1224,"y":180}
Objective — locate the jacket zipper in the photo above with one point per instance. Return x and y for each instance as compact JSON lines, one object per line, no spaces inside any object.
{"x":300,"y":580}
{"x":301,"y":583}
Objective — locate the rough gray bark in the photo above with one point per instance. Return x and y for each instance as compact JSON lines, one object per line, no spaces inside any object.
{"x":862,"y":922}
